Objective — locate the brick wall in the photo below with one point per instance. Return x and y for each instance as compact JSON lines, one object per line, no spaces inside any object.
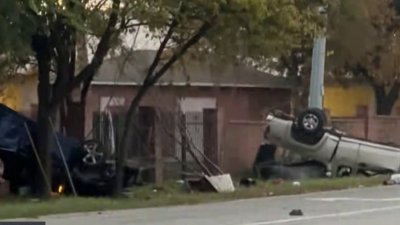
{"x":242,"y":140}
{"x":377,"y":128}
{"x":238,"y":142}
{"x":353,"y":126}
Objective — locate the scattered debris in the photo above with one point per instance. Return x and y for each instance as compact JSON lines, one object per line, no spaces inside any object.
{"x":200,"y":185}
{"x":24,"y":191}
{"x":328,"y":174}
{"x":296,"y":183}
{"x":393,"y":180}
{"x":296,"y":212}
{"x":247,"y":182}
{"x":221,"y":183}
{"x":388,"y":182}
{"x":212,"y":179}
{"x":278,"y":181}
{"x":180,"y":182}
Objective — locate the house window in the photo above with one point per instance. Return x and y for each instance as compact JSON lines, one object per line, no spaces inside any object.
{"x":106,"y":102}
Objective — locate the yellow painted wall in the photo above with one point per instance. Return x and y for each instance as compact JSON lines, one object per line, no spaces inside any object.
{"x":343,"y":102}
{"x":19,"y":93}
{"x":10,"y":95}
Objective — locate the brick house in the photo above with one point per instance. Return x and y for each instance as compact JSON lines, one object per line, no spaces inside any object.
{"x":219,"y":101}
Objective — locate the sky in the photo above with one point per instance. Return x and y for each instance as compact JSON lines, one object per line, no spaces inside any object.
{"x":137,"y":40}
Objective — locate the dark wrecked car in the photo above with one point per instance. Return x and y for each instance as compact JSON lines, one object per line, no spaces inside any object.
{"x":90,"y":172}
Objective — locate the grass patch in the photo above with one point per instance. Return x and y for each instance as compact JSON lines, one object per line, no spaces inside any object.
{"x":172,"y":194}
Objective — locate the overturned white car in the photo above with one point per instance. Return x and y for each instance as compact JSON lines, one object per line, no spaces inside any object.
{"x":309,"y":136}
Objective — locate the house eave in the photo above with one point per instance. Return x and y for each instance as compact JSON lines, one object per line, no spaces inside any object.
{"x":191,"y":84}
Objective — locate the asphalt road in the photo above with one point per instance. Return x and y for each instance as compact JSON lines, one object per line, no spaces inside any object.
{"x":360,"y":206}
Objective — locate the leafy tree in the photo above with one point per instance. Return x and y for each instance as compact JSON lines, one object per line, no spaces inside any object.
{"x":295,"y":62}
{"x":14,"y":38}
{"x":44,"y":33}
{"x":365,"y":40}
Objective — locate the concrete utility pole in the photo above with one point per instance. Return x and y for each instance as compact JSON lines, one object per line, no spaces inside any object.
{"x":317,"y":74}
{"x":318,"y":70}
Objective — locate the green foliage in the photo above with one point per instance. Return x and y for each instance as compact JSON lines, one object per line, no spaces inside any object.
{"x":238,"y":29}
{"x":15,"y":31}
{"x":13,"y":27}
{"x":261,"y":29}
{"x":246,"y":28}
{"x":365,"y":34}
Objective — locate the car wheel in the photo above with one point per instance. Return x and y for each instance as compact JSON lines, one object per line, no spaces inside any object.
{"x":311,"y":121}
{"x":94,"y":153}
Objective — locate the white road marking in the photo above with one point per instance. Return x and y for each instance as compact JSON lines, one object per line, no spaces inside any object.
{"x":355,"y":199}
{"x":325,"y":216}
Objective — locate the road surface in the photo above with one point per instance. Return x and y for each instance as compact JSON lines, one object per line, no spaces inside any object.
{"x":369,"y":206}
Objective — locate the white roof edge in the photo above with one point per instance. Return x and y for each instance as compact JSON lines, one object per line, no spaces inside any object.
{"x":195,"y":84}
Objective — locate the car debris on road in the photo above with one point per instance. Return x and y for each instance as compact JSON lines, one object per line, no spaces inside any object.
{"x":296,"y":212}
{"x":393,"y":180}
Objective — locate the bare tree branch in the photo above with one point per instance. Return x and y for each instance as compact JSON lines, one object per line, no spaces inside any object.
{"x":177,"y":55}
{"x":87,"y":74}
{"x":132,"y":25}
{"x":160,"y":51}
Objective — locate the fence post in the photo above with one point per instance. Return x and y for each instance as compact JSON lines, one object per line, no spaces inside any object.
{"x":184,"y":146}
{"x":366,"y":124}
{"x":159,"y":166}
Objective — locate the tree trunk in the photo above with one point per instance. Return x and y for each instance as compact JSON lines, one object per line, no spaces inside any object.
{"x":72,"y":116}
{"x":126,"y":137}
{"x":43,"y":174}
{"x":43,"y":178}
{"x":385,"y":101}
{"x":73,"y":112}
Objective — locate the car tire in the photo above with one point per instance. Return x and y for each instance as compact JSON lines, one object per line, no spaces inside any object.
{"x":95,"y":154}
{"x":311,"y":121}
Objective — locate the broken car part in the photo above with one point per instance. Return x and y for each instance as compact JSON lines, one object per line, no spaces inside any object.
{"x":296,"y":212}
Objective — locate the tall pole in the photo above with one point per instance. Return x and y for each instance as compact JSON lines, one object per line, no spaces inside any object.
{"x":318,"y":70}
{"x":317,"y":74}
